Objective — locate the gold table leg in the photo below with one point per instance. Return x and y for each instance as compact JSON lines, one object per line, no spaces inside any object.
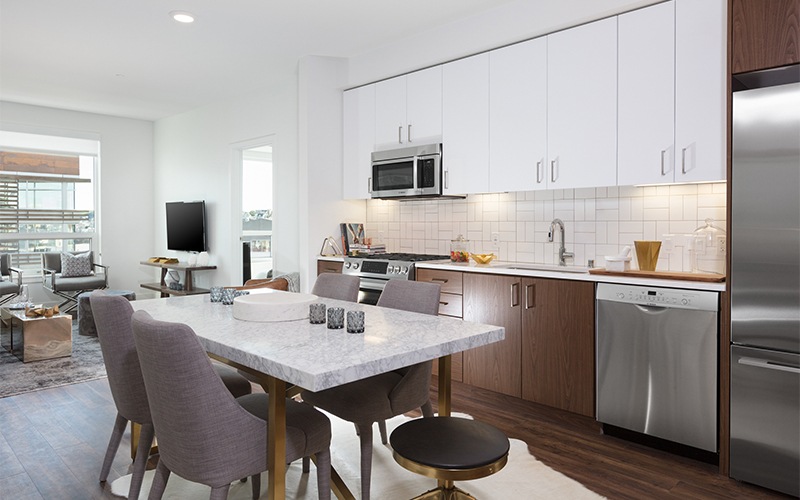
{"x":445,"y":385}
{"x":276,"y":439}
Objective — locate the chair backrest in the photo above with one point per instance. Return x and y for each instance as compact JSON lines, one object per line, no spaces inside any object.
{"x":201,"y":429}
{"x":52,"y":260}
{"x":337,"y":286}
{"x":415,"y":296}
{"x":275,"y":284}
{"x":5,"y":263}
{"x":112,"y":317}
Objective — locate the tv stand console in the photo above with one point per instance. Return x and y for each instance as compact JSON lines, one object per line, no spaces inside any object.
{"x":188,"y":287}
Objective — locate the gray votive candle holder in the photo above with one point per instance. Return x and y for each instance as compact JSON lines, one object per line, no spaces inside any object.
{"x":316,"y":314}
{"x":336,"y":317}
{"x":228,"y":295}
{"x":355,"y":321}
{"x":216,"y":293}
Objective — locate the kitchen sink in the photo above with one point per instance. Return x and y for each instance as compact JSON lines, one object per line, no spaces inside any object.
{"x":545,"y":267}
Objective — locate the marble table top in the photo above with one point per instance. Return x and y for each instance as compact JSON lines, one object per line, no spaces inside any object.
{"x":313,"y":356}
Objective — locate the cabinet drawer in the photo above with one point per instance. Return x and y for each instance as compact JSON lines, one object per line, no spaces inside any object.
{"x":451,"y":281}
{"x":450,"y":304}
{"x":326,"y":266}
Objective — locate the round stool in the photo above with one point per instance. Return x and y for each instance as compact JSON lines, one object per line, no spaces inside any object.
{"x":449,"y":449}
{"x":86,"y":318}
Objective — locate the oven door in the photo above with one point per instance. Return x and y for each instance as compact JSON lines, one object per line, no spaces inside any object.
{"x":369,"y":290}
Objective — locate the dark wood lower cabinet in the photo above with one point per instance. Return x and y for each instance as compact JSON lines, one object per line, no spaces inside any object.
{"x":494,"y":300}
{"x":328,"y":266}
{"x":558,"y":344}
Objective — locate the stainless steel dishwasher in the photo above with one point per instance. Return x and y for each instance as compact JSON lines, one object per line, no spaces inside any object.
{"x":657,"y":362}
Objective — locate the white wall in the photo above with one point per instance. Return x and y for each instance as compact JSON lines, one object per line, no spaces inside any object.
{"x":126,"y":180}
{"x":321,"y":81}
{"x":503,"y":25}
{"x":193,"y":161}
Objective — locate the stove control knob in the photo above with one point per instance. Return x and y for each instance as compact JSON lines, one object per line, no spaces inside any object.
{"x":355,"y":265}
{"x":391,"y":269}
{"x":405,"y":269}
{"x":347,"y":265}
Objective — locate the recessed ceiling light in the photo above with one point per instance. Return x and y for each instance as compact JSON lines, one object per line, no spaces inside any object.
{"x":182,"y":16}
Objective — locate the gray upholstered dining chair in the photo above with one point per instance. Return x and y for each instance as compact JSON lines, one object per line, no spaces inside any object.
{"x":9,"y":286}
{"x":383,"y":396}
{"x":73,"y":279}
{"x":205,"y":435}
{"x":337,"y":286}
{"x":112,"y":316}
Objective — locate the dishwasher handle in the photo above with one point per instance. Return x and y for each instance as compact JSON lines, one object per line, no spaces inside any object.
{"x":770,"y":365}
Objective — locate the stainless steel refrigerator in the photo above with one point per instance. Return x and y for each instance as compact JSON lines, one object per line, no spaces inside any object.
{"x":765,"y":280}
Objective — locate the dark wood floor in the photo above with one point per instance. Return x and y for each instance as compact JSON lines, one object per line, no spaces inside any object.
{"x":52,"y":444}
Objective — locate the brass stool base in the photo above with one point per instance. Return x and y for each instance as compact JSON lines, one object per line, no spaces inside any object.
{"x":445,"y":493}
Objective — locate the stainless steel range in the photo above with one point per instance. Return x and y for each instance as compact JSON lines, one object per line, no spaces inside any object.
{"x":376,"y":270}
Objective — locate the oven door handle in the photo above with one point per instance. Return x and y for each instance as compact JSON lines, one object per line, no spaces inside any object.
{"x":371,"y":284}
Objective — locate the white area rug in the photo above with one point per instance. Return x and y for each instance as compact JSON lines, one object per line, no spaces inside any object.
{"x":523,"y":476}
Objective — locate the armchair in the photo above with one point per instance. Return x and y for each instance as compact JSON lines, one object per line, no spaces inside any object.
{"x":10,"y":284}
{"x":69,"y":285}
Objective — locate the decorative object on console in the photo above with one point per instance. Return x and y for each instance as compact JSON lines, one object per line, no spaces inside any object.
{"x":647,"y":254}
{"x":39,"y":311}
{"x":202,"y":259}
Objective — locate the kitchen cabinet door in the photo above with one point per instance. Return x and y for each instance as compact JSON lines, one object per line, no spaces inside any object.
{"x":494,"y":300}
{"x":450,"y":304}
{"x":764,"y":34}
{"x":424,"y":106}
{"x":582,"y":105}
{"x":329,"y":266}
{"x":700,"y":90}
{"x":558,"y":344}
{"x":390,"y":113}
{"x":518,"y":117}
{"x":358,"y":141}
{"x":465,"y":125}
{"x":646,"y":121}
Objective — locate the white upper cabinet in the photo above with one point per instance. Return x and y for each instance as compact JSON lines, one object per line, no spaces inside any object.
{"x":408,"y":109}
{"x":358,"y":141}
{"x":518,"y":117}
{"x":582,"y":106}
{"x":646,"y":121}
{"x":700,"y":89}
{"x":465,"y":125}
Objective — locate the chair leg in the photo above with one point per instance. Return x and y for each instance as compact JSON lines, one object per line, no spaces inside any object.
{"x":382,"y":429}
{"x":324,"y":474}
{"x":306,"y":464}
{"x":427,"y":409}
{"x":220,"y":492}
{"x":113,"y":446}
{"x":256,"y":481}
{"x":140,"y":462}
{"x":159,"y":481}
{"x":365,"y":435}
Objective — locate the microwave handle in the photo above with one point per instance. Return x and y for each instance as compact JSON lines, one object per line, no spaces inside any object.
{"x":400,"y":134}
{"x":369,"y":184}
{"x":408,"y":135}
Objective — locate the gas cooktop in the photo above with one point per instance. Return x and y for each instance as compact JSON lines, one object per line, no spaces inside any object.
{"x":406,"y":257}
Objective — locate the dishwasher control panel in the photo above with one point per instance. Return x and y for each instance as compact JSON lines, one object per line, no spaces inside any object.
{"x":655,"y":296}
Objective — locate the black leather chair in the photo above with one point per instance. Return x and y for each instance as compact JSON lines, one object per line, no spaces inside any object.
{"x":69,"y":287}
{"x":11,"y":279}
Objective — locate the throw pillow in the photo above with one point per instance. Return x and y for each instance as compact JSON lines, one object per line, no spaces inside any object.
{"x":73,"y":265}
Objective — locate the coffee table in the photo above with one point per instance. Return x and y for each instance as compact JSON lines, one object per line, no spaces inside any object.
{"x":42,"y":338}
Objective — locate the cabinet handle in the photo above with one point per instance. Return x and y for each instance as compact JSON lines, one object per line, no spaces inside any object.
{"x":663,"y":153}
{"x":445,"y":178}
{"x":552,"y":170}
{"x":440,"y":280}
{"x":538,"y":172}
{"x":530,"y":296}
{"x":683,"y":160}
{"x":443,"y":303}
{"x":369,"y":184}
{"x":770,"y":365}
{"x":514,"y":294}
{"x":408,"y":136}
{"x":400,"y":134}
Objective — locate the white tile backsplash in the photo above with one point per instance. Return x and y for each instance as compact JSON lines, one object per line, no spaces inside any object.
{"x":598,"y":221}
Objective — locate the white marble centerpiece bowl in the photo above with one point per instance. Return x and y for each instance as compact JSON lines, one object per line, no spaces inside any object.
{"x":271,"y":307}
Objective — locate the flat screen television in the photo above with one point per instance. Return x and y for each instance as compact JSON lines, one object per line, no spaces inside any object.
{"x":186,"y":226}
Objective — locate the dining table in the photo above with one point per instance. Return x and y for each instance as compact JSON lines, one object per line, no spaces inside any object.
{"x":298,"y":354}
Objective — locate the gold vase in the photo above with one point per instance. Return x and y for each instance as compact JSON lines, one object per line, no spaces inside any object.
{"x":647,"y":254}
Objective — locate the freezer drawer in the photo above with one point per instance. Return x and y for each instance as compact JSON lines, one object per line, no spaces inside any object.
{"x":765,"y":418}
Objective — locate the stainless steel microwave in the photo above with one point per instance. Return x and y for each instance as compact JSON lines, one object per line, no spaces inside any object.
{"x":407,"y":173}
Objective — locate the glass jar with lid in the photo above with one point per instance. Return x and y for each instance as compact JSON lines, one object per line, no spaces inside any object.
{"x":708,"y":249}
{"x":459,"y":249}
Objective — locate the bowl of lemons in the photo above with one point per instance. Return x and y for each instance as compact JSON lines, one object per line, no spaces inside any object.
{"x":482,"y":258}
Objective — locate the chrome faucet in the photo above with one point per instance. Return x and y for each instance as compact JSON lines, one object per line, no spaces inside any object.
{"x":563,"y":255}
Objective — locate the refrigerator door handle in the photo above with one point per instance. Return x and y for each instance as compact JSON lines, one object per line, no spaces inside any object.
{"x":770,"y":365}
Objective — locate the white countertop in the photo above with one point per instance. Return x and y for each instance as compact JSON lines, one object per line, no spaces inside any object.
{"x":313,"y":356}
{"x":501,"y":267}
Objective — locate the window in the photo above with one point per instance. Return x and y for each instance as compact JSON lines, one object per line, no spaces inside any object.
{"x":47,"y":199}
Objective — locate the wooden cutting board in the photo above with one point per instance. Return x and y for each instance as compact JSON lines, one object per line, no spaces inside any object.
{"x":666,"y":275}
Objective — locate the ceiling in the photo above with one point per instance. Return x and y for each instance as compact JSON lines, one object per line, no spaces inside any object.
{"x":130,"y":58}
